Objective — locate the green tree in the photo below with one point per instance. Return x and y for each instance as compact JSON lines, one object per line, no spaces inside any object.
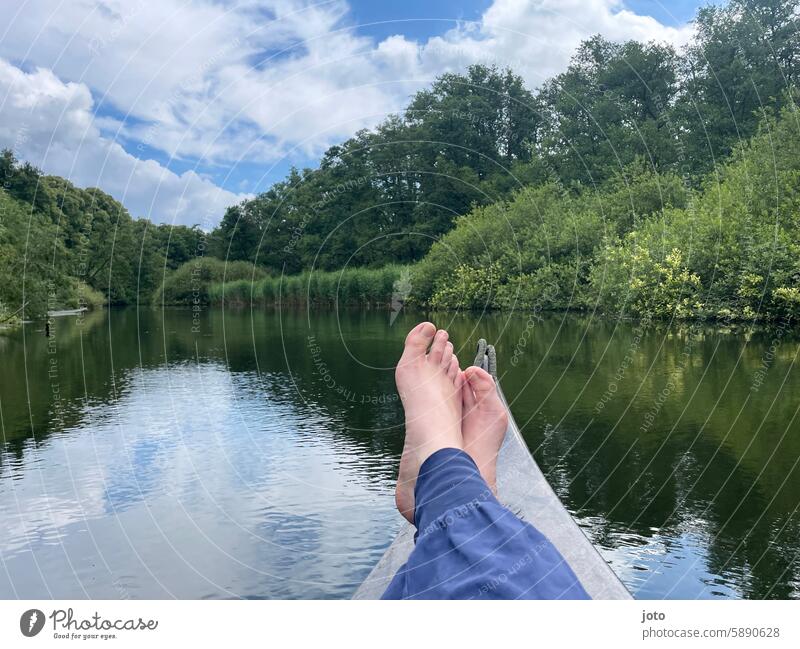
{"x":611,"y":106}
{"x":742,"y":64}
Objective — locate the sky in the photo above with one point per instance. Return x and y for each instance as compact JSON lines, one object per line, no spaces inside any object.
{"x":181,"y":108}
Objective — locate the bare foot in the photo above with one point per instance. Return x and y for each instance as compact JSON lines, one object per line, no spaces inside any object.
{"x":430,"y":389}
{"x":484,"y":422}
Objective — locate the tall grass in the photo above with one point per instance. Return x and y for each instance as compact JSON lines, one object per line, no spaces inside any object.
{"x":191,"y":283}
{"x":350,"y":287}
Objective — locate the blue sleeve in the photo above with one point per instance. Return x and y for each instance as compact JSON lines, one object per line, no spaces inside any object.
{"x":469,"y":546}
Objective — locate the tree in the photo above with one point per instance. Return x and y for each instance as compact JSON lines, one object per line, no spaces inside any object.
{"x":22,"y":181}
{"x":611,"y":106}
{"x":744,"y":61}
{"x":483,"y":120}
{"x":388,"y":193}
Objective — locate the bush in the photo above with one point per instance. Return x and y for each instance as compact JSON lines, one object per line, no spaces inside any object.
{"x":638,"y":194}
{"x":642,"y":245}
{"x":648,"y":287}
{"x":552,"y":287}
{"x":190,"y":283}
{"x":542,"y":231}
{"x":787,"y":300}
{"x":84,"y":296}
{"x":468,"y":288}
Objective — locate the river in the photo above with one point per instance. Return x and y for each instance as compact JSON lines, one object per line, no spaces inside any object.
{"x":151,"y":454}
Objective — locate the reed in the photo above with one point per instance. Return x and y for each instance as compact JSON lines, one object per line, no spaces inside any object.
{"x":193,"y":283}
{"x":373,"y":287}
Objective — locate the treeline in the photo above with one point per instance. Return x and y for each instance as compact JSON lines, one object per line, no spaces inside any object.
{"x":643,"y":244}
{"x":475,"y":138}
{"x":65,"y":247}
{"x":641,"y":180}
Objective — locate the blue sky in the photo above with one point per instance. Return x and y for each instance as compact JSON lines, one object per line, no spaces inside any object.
{"x":180,"y":109}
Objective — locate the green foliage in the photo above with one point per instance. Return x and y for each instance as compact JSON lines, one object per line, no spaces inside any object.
{"x":237,"y":292}
{"x":534,"y":248}
{"x":388,"y":193}
{"x":191,"y":283}
{"x":555,"y":286}
{"x":352,"y":287}
{"x":32,"y":274}
{"x":642,"y":244}
{"x":787,"y":301}
{"x":733,"y":252}
{"x":611,"y":106}
{"x":740,"y":66}
{"x":86,"y":297}
{"x":629,"y":279}
{"x":638,"y":193}
{"x":622,"y":113}
{"x":76,"y":246}
{"x":468,"y":287}
{"x":638,"y":181}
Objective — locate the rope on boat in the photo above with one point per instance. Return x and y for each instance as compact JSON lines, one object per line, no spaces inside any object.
{"x":486,"y":357}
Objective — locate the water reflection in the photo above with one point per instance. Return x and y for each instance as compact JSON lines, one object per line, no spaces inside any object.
{"x":256,"y":456}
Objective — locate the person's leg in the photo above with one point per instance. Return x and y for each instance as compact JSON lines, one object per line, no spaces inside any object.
{"x":429,"y":384}
{"x":468,"y":546}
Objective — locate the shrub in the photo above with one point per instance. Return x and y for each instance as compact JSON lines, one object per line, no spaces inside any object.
{"x":86,"y":296}
{"x":189,"y":284}
{"x":629,"y":277}
{"x":787,"y":300}
{"x":467,"y":288}
{"x":555,"y":286}
{"x":538,"y":228}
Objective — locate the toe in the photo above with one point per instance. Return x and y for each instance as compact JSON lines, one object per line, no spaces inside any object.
{"x":438,"y":346}
{"x":447,"y":356}
{"x":459,"y":381}
{"x":417,"y":341}
{"x":480,"y":381}
{"x":453,"y":370}
{"x":467,"y":397}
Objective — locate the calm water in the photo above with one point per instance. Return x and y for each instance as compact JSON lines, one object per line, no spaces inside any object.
{"x":256,"y":455}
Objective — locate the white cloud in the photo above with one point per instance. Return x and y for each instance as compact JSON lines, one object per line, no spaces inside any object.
{"x":538,"y":38}
{"x":50,"y":123}
{"x":220,"y":82}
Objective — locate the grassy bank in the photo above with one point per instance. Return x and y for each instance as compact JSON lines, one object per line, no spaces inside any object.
{"x":351,"y":287}
{"x":190,"y":284}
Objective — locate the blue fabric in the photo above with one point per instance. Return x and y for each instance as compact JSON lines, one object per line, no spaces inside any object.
{"x":468,"y":546}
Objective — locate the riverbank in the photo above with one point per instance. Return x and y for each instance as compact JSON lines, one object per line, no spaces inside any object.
{"x":643,"y":245}
{"x":388,"y":287}
{"x":15,"y":322}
